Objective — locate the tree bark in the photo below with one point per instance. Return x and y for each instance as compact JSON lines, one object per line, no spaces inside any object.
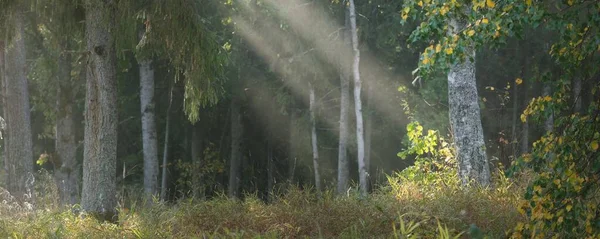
{"x":67,"y":173}
{"x":165,"y":159}
{"x":465,"y":117}
{"x":236,"y":141}
{"x":360,"y":142}
{"x":100,"y":141}
{"x":315,"y":148}
{"x":147,"y":107}
{"x":343,"y":166}
{"x":19,"y":161}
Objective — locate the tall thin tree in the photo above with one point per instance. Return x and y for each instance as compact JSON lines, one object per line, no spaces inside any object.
{"x":360,"y":141}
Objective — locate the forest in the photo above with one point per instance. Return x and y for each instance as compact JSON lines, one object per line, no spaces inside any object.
{"x":300,"y":119}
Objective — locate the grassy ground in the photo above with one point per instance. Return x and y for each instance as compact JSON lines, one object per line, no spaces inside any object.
{"x":395,"y":211}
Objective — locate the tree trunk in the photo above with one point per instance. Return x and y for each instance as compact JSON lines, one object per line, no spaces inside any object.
{"x":67,"y":173}
{"x":165,"y":159}
{"x":197,"y":157}
{"x":270,"y":170}
{"x":315,"y":148}
{"x":19,"y":161}
{"x":343,"y":166}
{"x":525,"y":130}
{"x":291,"y":153}
{"x":577,"y":99}
{"x":236,"y":141}
{"x":465,"y":117}
{"x":100,"y":141}
{"x":149,"y":134}
{"x":549,"y":123}
{"x":360,"y":142}
{"x":515,"y":119}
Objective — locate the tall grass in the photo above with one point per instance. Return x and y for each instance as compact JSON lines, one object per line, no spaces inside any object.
{"x":402,"y":209}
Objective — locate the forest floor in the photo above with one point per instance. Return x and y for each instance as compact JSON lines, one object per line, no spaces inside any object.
{"x":397,"y":210}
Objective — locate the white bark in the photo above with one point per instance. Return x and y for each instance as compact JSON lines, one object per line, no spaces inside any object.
{"x":343,"y":166}
{"x":19,"y":158}
{"x":100,"y":141}
{"x":315,"y":148}
{"x":465,"y":117}
{"x":165,"y":160}
{"x":360,"y":142}
{"x":149,"y":135}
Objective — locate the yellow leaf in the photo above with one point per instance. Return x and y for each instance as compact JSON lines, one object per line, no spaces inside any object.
{"x":471,"y":32}
{"x":557,"y":182}
{"x":547,"y":98}
{"x":519,"y":81}
{"x":438,"y":48}
{"x":594,"y":145}
{"x":570,"y":2}
{"x":420,"y":3}
{"x":491,"y":3}
{"x":560,"y":220}
{"x":569,"y":207}
{"x":449,"y":51}
{"x":485,"y":21}
{"x":425,"y":61}
{"x":528,"y":2}
{"x":537,"y":188}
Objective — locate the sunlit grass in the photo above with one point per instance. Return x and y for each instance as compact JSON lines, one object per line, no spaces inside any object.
{"x":296,"y":214}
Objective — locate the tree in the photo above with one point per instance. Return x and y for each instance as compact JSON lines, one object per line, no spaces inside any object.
{"x":360,"y":142}
{"x":343,"y":172}
{"x":455,"y":55}
{"x":465,"y":116}
{"x":314,"y":140}
{"x":149,"y":138}
{"x":19,"y":154}
{"x":100,"y":140}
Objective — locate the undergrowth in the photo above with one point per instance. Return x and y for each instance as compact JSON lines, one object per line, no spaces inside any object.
{"x":403,"y":209}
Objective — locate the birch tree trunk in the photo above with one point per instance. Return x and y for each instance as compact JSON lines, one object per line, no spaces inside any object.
{"x":100,"y":141}
{"x":360,"y":142}
{"x":465,"y":117}
{"x":315,"y":148}
{"x":165,"y":159}
{"x":149,"y":134}
{"x":343,"y":166}
{"x":67,"y":173}
{"x":19,"y":161}
{"x":236,"y":141}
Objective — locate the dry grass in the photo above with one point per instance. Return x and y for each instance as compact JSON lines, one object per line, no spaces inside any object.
{"x":297,"y":214}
